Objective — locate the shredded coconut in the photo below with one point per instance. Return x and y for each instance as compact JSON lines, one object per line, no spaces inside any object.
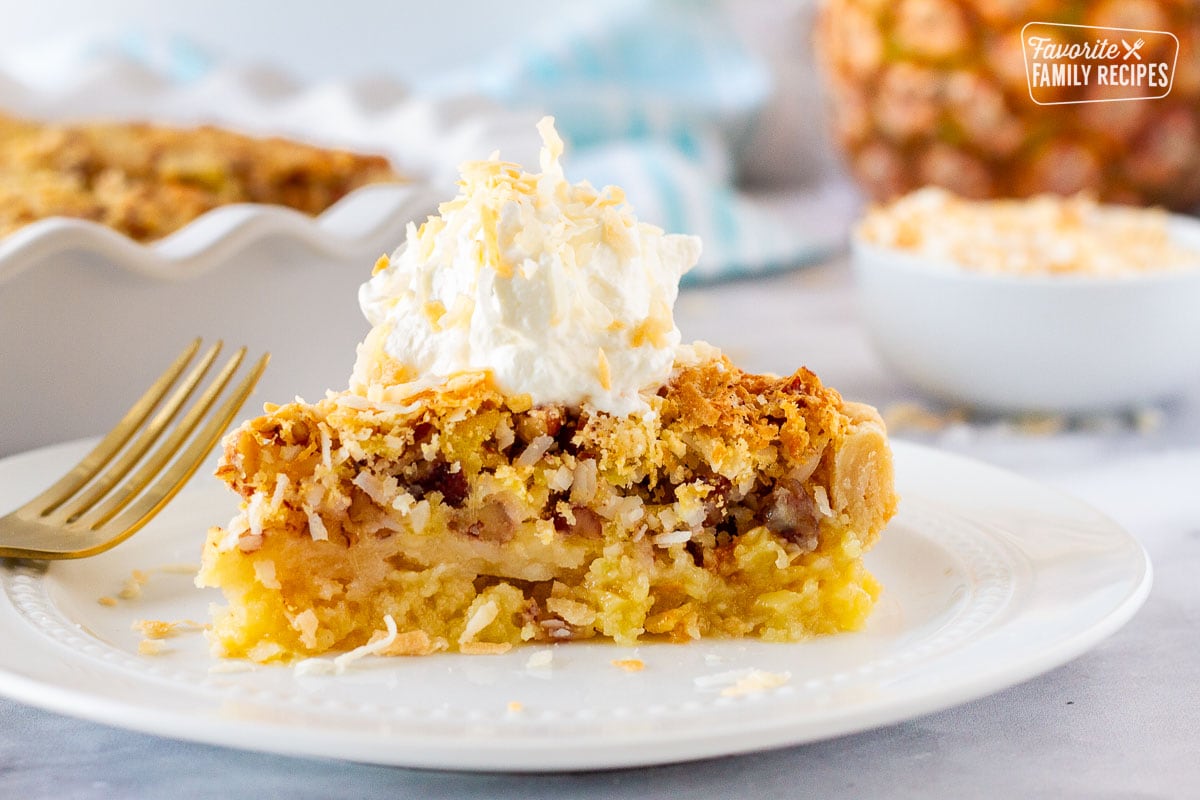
{"x":264,"y":573}
{"x":419,"y":516}
{"x":671,"y":537}
{"x":150,"y":647}
{"x":1046,"y":235}
{"x":483,"y":616}
{"x":584,"y":487}
{"x":742,"y":681}
{"x":821,"y":498}
{"x":360,"y":403}
{"x":326,"y":449}
{"x":163,"y":629}
{"x":132,"y":588}
{"x":281,"y":485}
{"x":254,"y":514}
{"x":316,"y":528}
{"x":484,"y":648}
{"x":178,"y":569}
{"x":504,"y":434}
{"x":560,"y":480}
{"x":379,"y":490}
{"x":540,"y":659}
{"x":534,"y":452}
{"x":339,"y":664}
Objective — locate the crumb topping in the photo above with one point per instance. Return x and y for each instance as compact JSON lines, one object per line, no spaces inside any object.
{"x":149,"y":180}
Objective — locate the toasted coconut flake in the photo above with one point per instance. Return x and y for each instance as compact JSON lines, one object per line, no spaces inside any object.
{"x":155,"y":628}
{"x":414,"y":643}
{"x":504,"y":434}
{"x":248,"y":543}
{"x":629,"y":664}
{"x":583,"y":490}
{"x":180,"y":568}
{"x":254,"y":514}
{"x":264,"y":573}
{"x":742,"y":681}
{"x":316,"y":527}
{"x":484,"y":648}
{"x":281,"y":486}
{"x":164,"y":629}
{"x":237,"y":527}
{"x":150,"y":647}
{"x":483,"y":616}
{"x":326,"y":448}
{"x":132,"y":588}
{"x":671,"y":537}
{"x":603,"y":371}
{"x":382,"y":491}
{"x":338,"y":665}
{"x":560,"y":480}
{"x":574,"y":612}
{"x":534,"y":452}
{"x":821,"y":498}
{"x":540,"y":659}
{"x":306,"y":624}
{"x":419,"y":516}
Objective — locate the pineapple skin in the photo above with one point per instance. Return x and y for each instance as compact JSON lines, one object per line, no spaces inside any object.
{"x":934,"y":92}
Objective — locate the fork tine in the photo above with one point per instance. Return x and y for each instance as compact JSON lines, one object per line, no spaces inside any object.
{"x":91,"y":517}
{"x":71,"y":507}
{"x":111,"y":444}
{"x":171,"y":481}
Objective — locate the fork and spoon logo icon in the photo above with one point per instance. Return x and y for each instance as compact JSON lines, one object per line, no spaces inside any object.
{"x":1132,"y":49}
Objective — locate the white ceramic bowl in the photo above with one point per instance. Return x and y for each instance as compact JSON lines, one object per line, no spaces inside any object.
{"x":1033,"y":343}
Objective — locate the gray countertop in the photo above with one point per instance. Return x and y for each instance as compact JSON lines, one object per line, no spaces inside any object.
{"x":1121,"y":721}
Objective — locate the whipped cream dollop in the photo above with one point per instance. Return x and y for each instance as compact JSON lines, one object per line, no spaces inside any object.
{"x":554,"y":288}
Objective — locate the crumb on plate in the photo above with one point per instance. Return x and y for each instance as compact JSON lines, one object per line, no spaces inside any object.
{"x":150,"y":647}
{"x":132,"y":588}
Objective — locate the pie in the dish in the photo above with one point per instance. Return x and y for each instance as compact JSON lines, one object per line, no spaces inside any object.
{"x":149,"y":180}
{"x":474,"y":515}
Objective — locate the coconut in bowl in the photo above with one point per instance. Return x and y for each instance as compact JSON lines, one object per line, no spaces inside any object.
{"x":1050,"y":304}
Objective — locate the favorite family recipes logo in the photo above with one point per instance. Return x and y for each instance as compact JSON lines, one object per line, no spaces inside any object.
{"x":1085,"y":64}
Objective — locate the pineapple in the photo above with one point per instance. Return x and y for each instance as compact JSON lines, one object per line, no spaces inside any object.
{"x":934,"y":92}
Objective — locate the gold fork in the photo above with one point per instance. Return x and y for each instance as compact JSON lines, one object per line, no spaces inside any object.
{"x":92,"y":509}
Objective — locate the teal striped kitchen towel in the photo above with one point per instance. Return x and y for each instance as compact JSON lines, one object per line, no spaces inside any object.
{"x":656,"y":96}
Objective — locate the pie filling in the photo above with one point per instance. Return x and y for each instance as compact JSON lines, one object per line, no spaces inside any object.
{"x":740,"y":506}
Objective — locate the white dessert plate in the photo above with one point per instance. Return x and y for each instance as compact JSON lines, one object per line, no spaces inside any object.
{"x":990,"y":580}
